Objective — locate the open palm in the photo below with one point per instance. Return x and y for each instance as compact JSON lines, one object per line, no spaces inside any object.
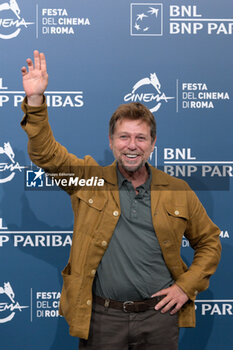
{"x":35,"y":79}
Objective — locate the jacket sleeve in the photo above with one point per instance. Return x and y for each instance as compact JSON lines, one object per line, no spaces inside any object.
{"x":43,"y":149}
{"x":203,"y":236}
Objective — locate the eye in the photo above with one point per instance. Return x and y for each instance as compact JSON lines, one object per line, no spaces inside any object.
{"x":141,"y":138}
{"x":123,"y":137}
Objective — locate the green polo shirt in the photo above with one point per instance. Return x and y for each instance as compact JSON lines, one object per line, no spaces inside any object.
{"x":132,"y":267}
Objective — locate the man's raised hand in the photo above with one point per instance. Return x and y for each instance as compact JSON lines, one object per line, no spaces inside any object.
{"x":35,"y":79}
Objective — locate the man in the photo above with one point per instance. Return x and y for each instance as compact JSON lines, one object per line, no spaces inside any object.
{"x":125,"y":285}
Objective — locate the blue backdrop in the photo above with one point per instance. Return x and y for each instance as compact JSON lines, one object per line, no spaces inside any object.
{"x":173,"y":56}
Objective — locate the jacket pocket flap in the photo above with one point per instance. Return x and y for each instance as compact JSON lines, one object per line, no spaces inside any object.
{"x":178,"y":211}
{"x":92,"y":199}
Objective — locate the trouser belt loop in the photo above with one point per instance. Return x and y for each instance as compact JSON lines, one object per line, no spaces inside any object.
{"x":106,"y":303}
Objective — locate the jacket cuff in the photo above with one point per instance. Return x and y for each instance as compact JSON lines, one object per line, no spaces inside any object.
{"x":190,"y":293}
{"x":33,"y":114}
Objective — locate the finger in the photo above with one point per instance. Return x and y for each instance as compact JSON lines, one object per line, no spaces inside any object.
{"x":43,"y":63}
{"x":30,"y":64}
{"x":168,"y":306}
{"x":163,"y":302}
{"x":37,"y":59}
{"x":24,"y":71}
{"x":175,"y":309}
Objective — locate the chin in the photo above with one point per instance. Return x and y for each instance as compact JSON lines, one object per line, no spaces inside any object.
{"x":132,"y":168}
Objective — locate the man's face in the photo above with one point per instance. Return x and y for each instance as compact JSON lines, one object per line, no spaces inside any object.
{"x":131,"y":144}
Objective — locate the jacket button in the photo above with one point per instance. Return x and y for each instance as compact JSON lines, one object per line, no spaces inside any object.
{"x":89,"y":302}
{"x":104,"y":243}
{"x":93,"y":272}
{"x":90,"y":201}
{"x":115,"y":213}
{"x":177,"y":212}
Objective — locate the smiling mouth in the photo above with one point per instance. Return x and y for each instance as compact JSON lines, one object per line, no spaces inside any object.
{"x":132,"y":156}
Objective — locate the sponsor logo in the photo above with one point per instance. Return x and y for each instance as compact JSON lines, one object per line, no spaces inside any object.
{"x":38,"y":179}
{"x":146,"y":19}
{"x":47,"y":304}
{"x":8,"y":305}
{"x":38,"y":239}
{"x":200,"y":174}
{"x":214,"y":307}
{"x":56,"y":99}
{"x":11,"y":21}
{"x":44,"y":304}
{"x":58,"y":22}
{"x":188,"y":20}
{"x":34,"y":239}
{"x":9,"y":167}
{"x":34,"y":178}
{"x":198,"y":96}
{"x":148,"y":91}
{"x":189,"y":95}
{"x":181,"y":162}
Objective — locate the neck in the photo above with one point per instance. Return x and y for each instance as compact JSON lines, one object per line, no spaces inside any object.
{"x":137,"y":178}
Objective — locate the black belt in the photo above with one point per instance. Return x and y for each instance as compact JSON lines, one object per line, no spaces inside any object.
{"x":128,"y":306}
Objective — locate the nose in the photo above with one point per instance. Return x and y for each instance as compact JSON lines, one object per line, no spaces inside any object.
{"x":132,"y":143}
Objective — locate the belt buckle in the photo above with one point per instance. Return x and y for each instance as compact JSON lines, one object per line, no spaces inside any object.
{"x":128,"y":302}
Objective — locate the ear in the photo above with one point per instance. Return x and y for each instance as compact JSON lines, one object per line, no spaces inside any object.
{"x":110,"y":141}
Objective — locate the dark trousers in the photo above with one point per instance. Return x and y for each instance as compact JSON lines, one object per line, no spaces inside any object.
{"x":113,"y":329}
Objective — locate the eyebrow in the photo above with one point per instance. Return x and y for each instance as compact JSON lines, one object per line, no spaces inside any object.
{"x":126,"y":132}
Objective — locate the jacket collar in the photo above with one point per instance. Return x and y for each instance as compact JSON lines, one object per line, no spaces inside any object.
{"x":159,"y":178}
{"x":110,"y":173}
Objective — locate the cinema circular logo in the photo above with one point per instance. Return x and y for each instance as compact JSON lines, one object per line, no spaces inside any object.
{"x":8,"y":305}
{"x":8,"y":166}
{"x":11,"y":22}
{"x":149,"y":92}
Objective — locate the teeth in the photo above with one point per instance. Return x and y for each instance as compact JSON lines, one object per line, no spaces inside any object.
{"x":131,"y":155}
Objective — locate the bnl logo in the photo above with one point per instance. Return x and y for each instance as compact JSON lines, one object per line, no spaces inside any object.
{"x":146,"y":19}
{"x":35,"y":178}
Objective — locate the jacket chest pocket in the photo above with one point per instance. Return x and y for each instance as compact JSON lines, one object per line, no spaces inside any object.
{"x":90,"y":210}
{"x":178,"y":220}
